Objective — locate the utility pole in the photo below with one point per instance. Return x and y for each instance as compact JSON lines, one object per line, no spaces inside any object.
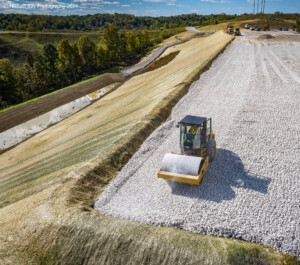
{"x":257,"y":6}
{"x":263,"y":6}
{"x":253,"y":7}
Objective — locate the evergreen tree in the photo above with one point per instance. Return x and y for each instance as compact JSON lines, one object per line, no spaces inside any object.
{"x":88,"y":52}
{"x":102,"y":58}
{"x":50,"y":54}
{"x":131,"y":43}
{"x":67,"y":60}
{"x":28,"y":80}
{"x":41,"y":78}
{"x":111,"y":38}
{"x":122,"y":52}
{"x":77,"y":61}
{"x":30,"y":59}
{"x":9,"y":82}
{"x":146,"y":38}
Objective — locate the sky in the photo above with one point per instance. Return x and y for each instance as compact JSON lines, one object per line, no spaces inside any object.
{"x":153,"y":8}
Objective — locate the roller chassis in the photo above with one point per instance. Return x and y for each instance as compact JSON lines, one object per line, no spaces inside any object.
{"x":185,"y":168}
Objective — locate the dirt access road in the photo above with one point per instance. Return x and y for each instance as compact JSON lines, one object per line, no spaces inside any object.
{"x":251,"y":190}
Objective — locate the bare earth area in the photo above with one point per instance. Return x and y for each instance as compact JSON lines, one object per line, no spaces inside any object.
{"x":23,"y":113}
{"x":251,"y":190}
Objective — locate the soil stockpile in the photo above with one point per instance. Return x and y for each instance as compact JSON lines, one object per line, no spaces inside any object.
{"x":251,"y":189}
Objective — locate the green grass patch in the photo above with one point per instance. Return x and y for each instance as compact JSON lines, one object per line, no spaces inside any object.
{"x":162,"y":61}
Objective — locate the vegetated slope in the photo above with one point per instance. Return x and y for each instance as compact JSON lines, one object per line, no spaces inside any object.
{"x":71,"y":162}
{"x":15,"y":46}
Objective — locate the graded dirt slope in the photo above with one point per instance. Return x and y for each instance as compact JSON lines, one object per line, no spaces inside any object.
{"x":31,"y":110}
{"x":251,"y":190}
{"x":183,"y":36}
{"x":71,"y":162}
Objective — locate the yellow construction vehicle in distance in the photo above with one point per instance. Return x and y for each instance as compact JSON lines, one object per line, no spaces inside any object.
{"x":229,"y":29}
{"x":237,"y":32}
{"x":198,"y":147}
{"x":266,"y":26}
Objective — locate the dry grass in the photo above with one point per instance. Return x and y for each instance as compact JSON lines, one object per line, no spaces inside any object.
{"x":222,"y":26}
{"x":55,"y":176}
{"x":274,"y":24}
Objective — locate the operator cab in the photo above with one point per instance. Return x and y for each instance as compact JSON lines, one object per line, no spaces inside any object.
{"x":195,"y":133}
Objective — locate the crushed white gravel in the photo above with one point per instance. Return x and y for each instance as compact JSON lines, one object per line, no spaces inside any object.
{"x":251,"y":190}
{"x":27,"y":129}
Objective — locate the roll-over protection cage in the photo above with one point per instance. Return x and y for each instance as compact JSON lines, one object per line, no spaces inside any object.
{"x":195,"y":133}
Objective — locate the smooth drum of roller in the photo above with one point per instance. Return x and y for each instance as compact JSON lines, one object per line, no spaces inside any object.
{"x":181,"y":164}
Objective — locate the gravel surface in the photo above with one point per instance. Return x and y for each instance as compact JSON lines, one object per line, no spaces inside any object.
{"x":251,"y":189}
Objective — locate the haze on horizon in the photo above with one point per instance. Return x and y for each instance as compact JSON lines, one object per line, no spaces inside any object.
{"x":151,"y":8}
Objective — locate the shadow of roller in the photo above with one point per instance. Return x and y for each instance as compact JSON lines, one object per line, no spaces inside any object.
{"x":224,"y":173}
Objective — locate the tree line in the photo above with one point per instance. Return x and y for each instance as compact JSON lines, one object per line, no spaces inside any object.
{"x":24,"y":22}
{"x":298,"y":25}
{"x":66,"y":64}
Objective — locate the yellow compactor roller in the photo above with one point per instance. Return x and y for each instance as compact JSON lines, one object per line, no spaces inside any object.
{"x":198,"y":147}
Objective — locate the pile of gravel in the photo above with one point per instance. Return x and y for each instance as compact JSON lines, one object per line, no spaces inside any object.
{"x":266,"y":37}
{"x":251,"y":189}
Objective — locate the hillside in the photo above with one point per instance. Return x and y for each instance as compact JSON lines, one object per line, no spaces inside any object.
{"x":50,"y":182}
{"x":17,"y":45}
